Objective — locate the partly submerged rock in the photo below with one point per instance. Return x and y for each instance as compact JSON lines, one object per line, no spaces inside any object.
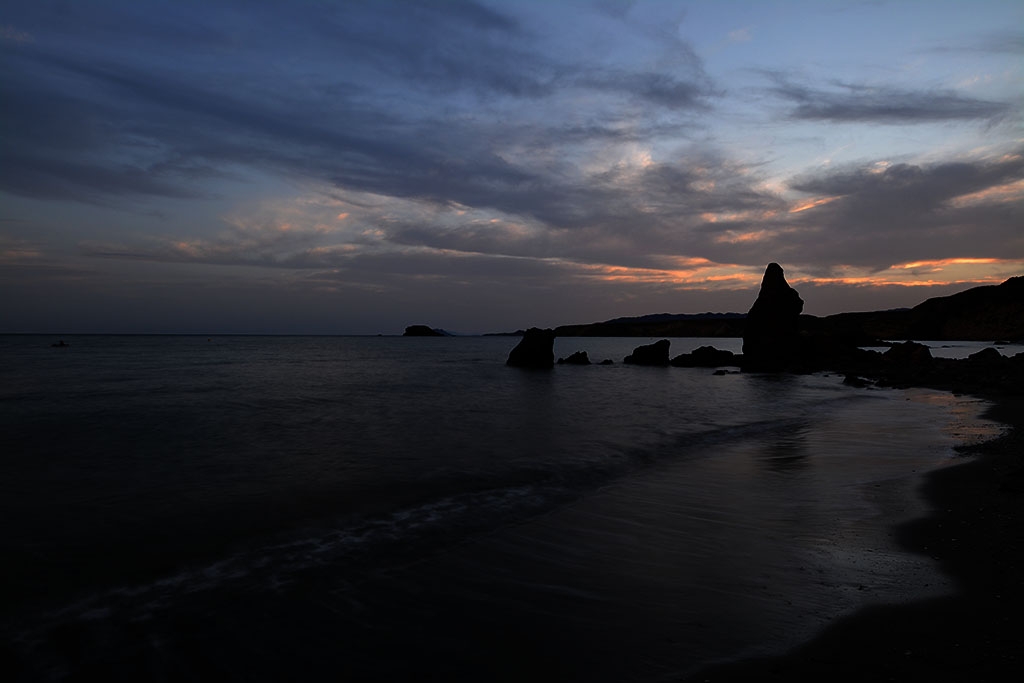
{"x":649,"y":354}
{"x":770,"y":332}
{"x":909,"y":353}
{"x":578,"y":358}
{"x":852,"y":380}
{"x":705,"y":357}
{"x":534,"y":350}
{"x":987,"y":357}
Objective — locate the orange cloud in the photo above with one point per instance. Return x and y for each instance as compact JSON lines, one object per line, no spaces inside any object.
{"x":925,"y":273}
{"x":812,"y":203}
{"x":732,"y":237}
{"x":694,"y":272}
{"x":943,"y":262}
{"x":1010,"y":192}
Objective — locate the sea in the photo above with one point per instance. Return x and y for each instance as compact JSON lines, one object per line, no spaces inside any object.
{"x":267,"y":508}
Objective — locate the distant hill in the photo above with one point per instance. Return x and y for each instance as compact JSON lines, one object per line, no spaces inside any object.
{"x":986,"y":313}
{"x":661,"y":325}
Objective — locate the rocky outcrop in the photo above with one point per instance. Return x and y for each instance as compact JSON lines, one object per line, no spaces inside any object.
{"x":771,"y":330}
{"x":649,"y":354}
{"x":578,"y":358}
{"x":423,"y":331}
{"x":706,"y":357}
{"x":909,"y":354}
{"x":534,"y":350}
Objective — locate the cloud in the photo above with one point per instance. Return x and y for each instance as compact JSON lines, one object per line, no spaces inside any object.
{"x":858,"y":103}
{"x":740,"y":35}
{"x":881,"y":214}
{"x":1001,"y":41}
{"x":547,"y":145}
{"x":380,"y":97}
{"x":14,"y":35}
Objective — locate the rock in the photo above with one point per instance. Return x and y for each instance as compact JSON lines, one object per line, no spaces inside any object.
{"x":852,"y":380}
{"x":534,"y":350}
{"x":649,"y":354}
{"x":578,"y":358}
{"x":607,"y":361}
{"x":770,"y":333}
{"x":987,"y":356}
{"x":705,"y":357}
{"x":909,"y":353}
{"x":422,"y":331}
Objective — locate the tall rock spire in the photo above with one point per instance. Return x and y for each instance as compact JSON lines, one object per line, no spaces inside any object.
{"x":770,"y":331}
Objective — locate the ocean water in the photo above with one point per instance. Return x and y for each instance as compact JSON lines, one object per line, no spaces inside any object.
{"x":387,"y":508}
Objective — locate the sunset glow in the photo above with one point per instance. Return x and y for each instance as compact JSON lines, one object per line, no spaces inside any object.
{"x":341,"y":167}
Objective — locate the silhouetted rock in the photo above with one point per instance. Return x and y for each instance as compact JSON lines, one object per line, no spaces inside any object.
{"x":852,"y":380}
{"x":986,"y":312}
{"x":705,"y":357}
{"x":986,"y":357}
{"x":770,"y":333}
{"x":534,"y":350}
{"x":909,"y":353}
{"x":423,"y":331}
{"x":607,"y":361}
{"x":649,"y":354}
{"x":578,"y":358}
{"x":976,"y":314}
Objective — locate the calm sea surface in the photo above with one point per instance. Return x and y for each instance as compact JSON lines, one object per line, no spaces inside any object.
{"x":357,"y":508}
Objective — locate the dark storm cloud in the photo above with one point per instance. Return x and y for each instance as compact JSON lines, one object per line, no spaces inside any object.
{"x":857,"y":103}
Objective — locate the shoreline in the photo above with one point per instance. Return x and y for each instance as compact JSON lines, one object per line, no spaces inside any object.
{"x":973,"y":532}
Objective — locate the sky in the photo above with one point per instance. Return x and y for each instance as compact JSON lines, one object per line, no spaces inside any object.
{"x":331,"y":167}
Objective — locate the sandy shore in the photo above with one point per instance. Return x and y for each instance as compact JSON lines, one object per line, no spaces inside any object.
{"x":976,"y":534}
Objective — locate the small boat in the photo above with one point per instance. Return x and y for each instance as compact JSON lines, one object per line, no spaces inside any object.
{"x":60,"y":345}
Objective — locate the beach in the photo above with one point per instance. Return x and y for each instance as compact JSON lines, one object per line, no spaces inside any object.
{"x":396,"y":509}
{"x":974,"y":532}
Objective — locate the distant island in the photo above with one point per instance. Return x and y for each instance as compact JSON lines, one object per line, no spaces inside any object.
{"x":424,"y":331}
{"x":985,"y":313}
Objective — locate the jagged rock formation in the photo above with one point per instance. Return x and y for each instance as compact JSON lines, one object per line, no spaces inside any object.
{"x":771,"y":330}
{"x":649,"y":354}
{"x":578,"y":358}
{"x":534,"y":350}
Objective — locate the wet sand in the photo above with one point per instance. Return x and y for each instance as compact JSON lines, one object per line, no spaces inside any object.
{"x":976,"y":534}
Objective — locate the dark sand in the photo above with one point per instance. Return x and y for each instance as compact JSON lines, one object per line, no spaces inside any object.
{"x":976,"y":534}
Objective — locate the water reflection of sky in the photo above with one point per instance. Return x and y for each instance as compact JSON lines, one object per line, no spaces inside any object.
{"x":959,"y":349}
